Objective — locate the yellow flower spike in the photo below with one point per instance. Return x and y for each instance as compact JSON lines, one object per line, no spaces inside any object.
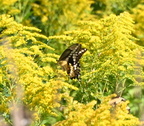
{"x":6,"y":2}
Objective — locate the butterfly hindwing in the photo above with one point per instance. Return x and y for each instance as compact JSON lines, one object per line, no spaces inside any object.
{"x":76,"y":68}
{"x":69,"y":60}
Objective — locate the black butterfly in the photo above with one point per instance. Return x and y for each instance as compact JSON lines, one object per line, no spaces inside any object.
{"x":69,"y":60}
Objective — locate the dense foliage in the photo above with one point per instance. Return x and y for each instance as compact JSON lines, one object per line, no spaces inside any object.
{"x":33,"y":34}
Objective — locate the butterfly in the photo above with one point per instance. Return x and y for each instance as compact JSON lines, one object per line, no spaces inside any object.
{"x":69,"y":60}
{"x":117,"y":100}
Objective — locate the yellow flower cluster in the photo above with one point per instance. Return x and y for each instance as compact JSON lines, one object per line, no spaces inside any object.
{"x":7,"y":2}
{"x":25,"y":61}
{"x":104,"y":115}
{"x":62,"y":15}
{"x":7,"y":6}
{"x":138,"y":18}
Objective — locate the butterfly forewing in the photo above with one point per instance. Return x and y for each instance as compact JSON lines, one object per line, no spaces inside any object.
{"x":65,"y":54}
{"x":80,"y":53}
{"x":69,"y":51}
{"x":69,"y":60}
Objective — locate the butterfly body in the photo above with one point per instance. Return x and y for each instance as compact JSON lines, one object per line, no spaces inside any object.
{"x":69,"y":60}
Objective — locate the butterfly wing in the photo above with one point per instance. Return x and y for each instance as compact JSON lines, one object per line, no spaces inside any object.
{"x":66,"y":58}
{"x":65,"y":54}
{"x":75,"y":71}
{"x":76,"y":65}
{"x":69,"y":51}
{"x":78,"y":55}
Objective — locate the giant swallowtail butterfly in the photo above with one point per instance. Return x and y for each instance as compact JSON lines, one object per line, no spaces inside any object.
{"x":69,"y":60}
